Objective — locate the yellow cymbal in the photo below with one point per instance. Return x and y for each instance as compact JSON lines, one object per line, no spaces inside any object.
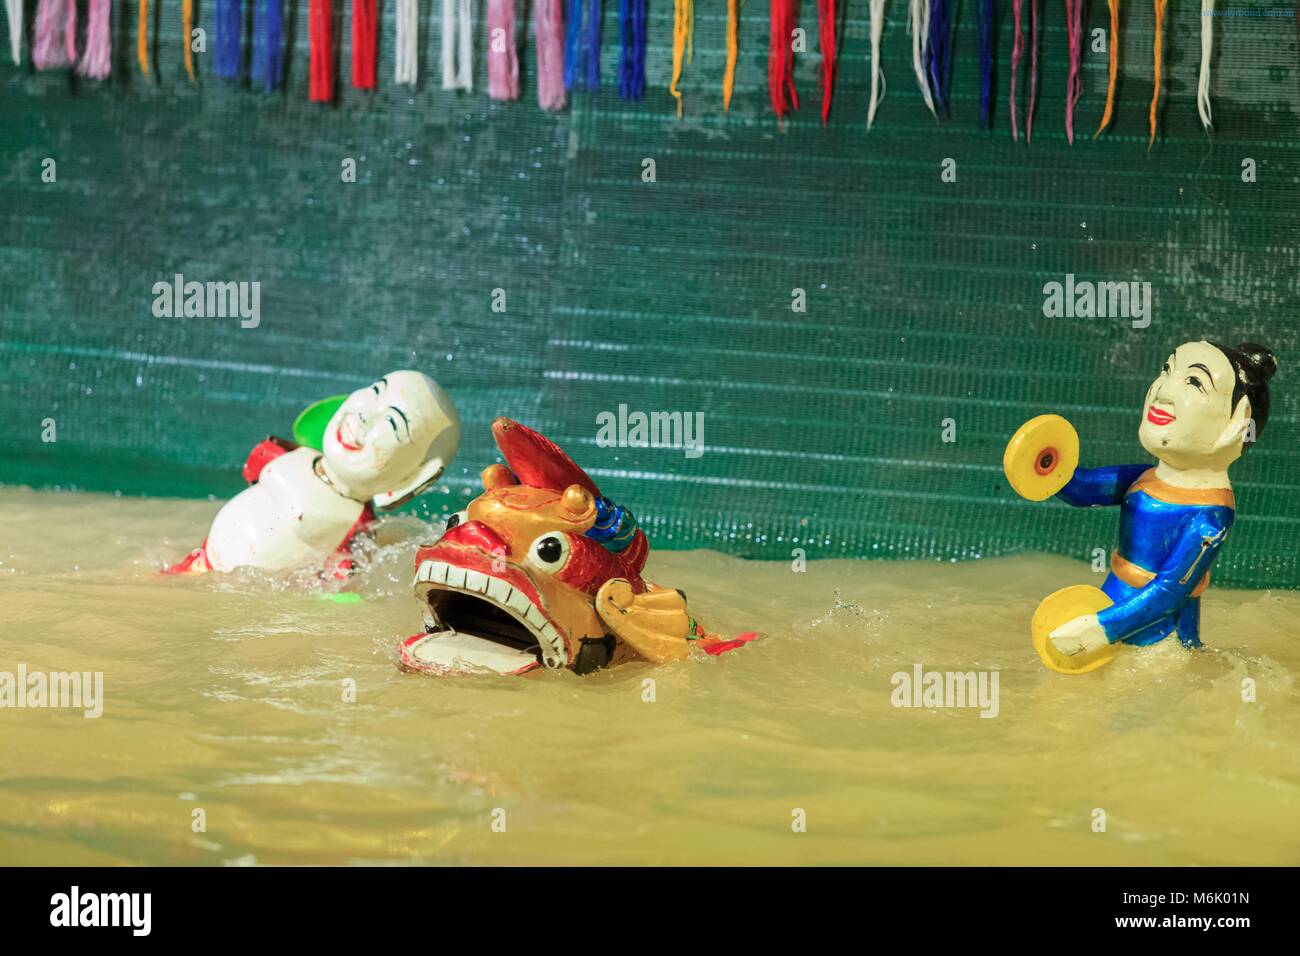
{"x":1059,"y":607}
{"x":1041,"y":457}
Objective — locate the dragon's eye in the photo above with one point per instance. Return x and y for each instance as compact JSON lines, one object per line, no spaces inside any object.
{"x":458,"y":518}
{"x":550,"y":552}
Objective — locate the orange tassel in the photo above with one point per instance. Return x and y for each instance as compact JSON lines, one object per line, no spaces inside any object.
{"x":733,"y":47}
{"x":187,"y":20}
{"x":1155,"y":94}
{"x":1114,"y":67}
{"x":142,"y":38}
{"x":683,"y":27}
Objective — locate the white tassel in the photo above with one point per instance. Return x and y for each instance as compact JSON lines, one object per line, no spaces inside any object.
{"x":877,"y":74}
{"x":919,"y":26}
{"x":14,"y":8}
{"x":1207,"y":46}
{"x":457,"y":45}
{"x":408,"y":38}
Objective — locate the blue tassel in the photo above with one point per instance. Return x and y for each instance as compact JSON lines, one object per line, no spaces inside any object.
{"x":593,"y":44}
{"x":985,"y":31}
{"x":226,"y":51}
{"x":571,"y":41}
{"x":631,"y":66}
{"x":582,"y":46}
{"x":268,"y":44}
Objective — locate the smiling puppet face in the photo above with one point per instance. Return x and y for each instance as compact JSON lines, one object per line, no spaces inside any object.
{"x":511,"y":584}
{"x":390,"y":439}
{"x":1188,"y":420}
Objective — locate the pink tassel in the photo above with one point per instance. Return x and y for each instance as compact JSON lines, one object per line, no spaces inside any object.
{"x":47,"y":52}
{"x":503,"y":60}
{"x":550,"y":55}
{"x":96,"y":58}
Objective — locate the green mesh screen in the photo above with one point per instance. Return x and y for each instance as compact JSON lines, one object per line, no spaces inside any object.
{"x":823,"y":429}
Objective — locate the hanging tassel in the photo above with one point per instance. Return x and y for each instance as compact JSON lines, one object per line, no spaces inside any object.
{"x":142,"y":37}
{"x":826,"y":44}
{"x":550,"y":54}
{"x":1159,"y":52}
{"x":877,"y":75}
{"x":187,"y":25}
{"x":1207,"y":47}
{"x":683,"y":30}
{"x":503,"y":58}
{"x":226,"y":52}
{"x":96,"y":59}
{"x":733,"y":48}
{"x":1017,"y":50}
{"x":1073,"y":82}
{"x":364,"y":39}
{"x":985,"y":30}
{"x":1114,"y":68}
{"x":780,"y":58}
{"x":940,"y":52}
{"x":321,"y":86}
{"x":582,"y":54}
{"x":268,"y":45}
{"x":457,"y":45}
{"x":1033,"y":70}
{"x":631,"y":64}
{"x":406,"y":64}
{"x":14,"y":11}
{"x":55,"y":43}
{"x":918,"y":22}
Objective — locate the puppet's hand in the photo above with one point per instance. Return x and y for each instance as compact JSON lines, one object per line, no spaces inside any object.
{"x":654,"y":623}
{"x":1083,"y":635}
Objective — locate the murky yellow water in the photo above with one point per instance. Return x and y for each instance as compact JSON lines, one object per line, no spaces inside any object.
{"x":226,"y":696}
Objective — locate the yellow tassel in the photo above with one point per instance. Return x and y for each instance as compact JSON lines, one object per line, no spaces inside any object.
{"x":683,"y":27}
{"x":1155,"y":94}
{"x":142,"y":38}
{"x":733,"y":47}
{"x":187,"y":20}
{"x":1114,"y":67}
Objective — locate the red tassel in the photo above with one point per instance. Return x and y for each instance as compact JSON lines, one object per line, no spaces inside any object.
{"x":780,"y":57}
{"x":363,"y":44}
{"x":826,"y":28}
{"x":322,"y":52}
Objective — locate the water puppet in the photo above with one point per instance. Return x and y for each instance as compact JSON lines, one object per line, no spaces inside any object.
{"x":352,"y":456}
{"x":542,"y":571}
{"x":1207,"y":405}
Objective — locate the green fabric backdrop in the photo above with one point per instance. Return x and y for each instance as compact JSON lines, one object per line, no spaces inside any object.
{"x":823,"y":428}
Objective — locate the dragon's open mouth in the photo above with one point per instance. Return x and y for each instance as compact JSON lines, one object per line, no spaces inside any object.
{"x":478,"y":622}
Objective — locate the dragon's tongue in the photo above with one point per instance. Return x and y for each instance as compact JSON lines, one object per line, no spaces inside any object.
{"x":454,"y":651}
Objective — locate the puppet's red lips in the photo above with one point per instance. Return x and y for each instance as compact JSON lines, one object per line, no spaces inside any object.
{"x":338,"y":436}
{"x":1158,"y":416}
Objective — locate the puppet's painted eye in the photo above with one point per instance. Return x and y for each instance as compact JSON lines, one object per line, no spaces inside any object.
{"x":459,"y":517}
{"x":550,"y":552}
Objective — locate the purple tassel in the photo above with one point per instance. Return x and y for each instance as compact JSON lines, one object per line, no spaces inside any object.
{"x":985,"y":30}
{"x":940,"y":51}
{"x":631,"y":66}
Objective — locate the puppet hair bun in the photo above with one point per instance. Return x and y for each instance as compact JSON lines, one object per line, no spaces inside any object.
{"x":1262,"y":361}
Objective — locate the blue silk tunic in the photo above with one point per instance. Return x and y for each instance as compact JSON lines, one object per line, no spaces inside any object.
{"x":1168,"y":538}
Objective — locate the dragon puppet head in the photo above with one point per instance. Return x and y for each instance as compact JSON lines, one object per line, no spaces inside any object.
{"x":511,"y":585}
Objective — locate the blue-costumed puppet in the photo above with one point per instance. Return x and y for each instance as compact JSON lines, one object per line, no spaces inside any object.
{"x":1208,"y":403}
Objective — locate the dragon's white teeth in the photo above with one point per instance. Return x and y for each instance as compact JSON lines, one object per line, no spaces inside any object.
{"x":455,"y":577}
{"x":535,"y":617}
{"x":423,"y":571}
{"x":519,"y":601}
{"x":476,"y":581}
{"x":439,"y":572}
{"x":498,"y":590}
